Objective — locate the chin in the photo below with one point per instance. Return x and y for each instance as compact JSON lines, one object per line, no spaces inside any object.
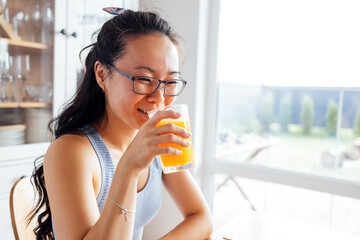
{"x":138,"y":124}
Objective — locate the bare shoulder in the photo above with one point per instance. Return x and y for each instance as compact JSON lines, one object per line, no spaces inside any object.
{"x":69,"y":149}
{"x":73,"y":142}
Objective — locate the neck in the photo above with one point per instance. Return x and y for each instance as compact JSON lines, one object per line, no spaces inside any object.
{"x":116,"y":134}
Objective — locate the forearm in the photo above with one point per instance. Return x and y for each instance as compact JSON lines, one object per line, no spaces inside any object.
{"x":113,"y":223}
{"x":194,"y":227}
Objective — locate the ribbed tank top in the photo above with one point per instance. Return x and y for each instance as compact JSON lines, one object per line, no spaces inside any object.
{"x":148,"y":200}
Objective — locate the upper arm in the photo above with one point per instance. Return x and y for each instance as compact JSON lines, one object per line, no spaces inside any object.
{"x":185,"y":192}
{"x":69,"y":172}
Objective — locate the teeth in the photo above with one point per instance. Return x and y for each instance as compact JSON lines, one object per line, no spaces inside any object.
{"x":144,"y":111}
{"x":150,"y":113}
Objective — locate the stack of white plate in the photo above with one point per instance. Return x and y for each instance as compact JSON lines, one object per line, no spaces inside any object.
{"x":37,"y":121}
{"x":12,"y":135}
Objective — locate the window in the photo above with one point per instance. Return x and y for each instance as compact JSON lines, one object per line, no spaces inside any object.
{"x":288,"y":112}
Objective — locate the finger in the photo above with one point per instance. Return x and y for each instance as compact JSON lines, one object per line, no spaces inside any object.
{"x":172,"y":128}
{"x":172,"y":139}
{"x":160,"y":115}
{"x":168,"y":151}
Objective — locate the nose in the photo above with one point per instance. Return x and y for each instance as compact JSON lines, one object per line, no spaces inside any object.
{"x":158,"y":96}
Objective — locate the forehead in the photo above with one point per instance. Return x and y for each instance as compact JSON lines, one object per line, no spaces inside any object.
{"x":154,"y":50}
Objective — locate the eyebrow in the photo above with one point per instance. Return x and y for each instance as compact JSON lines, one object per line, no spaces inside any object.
{"x":153,"y":71}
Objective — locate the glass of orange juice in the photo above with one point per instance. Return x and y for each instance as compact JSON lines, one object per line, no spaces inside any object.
{"x":176,"y":163}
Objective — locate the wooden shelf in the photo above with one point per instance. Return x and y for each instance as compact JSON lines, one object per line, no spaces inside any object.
{"x":24,"y":105}
{"x":26,"y":44}
{"x":6,"y":30}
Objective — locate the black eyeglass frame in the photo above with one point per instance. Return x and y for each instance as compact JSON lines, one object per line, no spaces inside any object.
{"x":133,"y":78}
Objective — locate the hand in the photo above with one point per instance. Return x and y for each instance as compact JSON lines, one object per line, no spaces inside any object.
{"x":145,"y":146}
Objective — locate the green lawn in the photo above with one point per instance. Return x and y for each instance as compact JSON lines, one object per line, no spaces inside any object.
{"x":298,"y":152}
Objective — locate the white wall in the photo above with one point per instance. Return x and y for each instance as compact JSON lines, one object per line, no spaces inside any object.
{"x":188,"y":17}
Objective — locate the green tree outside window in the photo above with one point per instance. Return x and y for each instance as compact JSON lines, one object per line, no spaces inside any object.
{"x":307,"y":114}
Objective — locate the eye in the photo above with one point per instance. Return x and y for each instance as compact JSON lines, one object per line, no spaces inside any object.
{"x":144,"y":80}
{"x":171,"y":82}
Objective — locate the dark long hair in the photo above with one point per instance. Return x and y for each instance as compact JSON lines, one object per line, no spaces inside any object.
{"x":88,"y":105}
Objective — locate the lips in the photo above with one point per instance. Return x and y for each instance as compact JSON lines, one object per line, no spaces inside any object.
{"x":148,"y":113}
{"x":144,"y":111}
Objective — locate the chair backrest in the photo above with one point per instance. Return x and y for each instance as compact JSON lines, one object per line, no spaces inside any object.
{"x":22,"y":199}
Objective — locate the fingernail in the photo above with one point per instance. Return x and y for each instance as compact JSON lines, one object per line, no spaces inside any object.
{"x":179,"y":152}
{"x":189,"y":134}
{"x":187,"y":143}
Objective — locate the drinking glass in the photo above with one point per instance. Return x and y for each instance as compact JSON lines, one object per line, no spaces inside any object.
{"x":25,"y":66}
{"x":18,"y":23}
{"x":15,"y":66}
{"x":176,"y":163}
{"x":47,"y":17}
{"x":9,"y":88}
{"x":46,"y":91}
{"x":35,"y":21}
{"x":18,"y":89}
{"x":34,"y":92}
{"x":20,"y":71}
{"x":4,"y":9}
{"x":21,"y":22}
{"x":20,"y":66}
{"x":5,"y":78}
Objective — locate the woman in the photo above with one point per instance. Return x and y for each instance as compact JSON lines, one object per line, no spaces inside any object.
{"x":102,"y":174}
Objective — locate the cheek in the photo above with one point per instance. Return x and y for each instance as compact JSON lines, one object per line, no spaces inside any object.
{"x":119,"y":93}
{"x":169,"y":100}
{"x":123,"y":99}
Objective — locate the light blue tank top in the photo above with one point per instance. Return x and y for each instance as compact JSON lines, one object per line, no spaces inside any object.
{"x":148,"y":200}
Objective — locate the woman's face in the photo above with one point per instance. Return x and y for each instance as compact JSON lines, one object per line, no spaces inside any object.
{"x":148,"y":55}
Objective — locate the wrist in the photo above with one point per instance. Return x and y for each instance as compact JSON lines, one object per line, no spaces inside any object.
{"x":127,"y":170}
{"x":126,"y":181}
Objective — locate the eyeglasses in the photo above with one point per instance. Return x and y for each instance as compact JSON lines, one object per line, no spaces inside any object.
{"x":148,"y":85}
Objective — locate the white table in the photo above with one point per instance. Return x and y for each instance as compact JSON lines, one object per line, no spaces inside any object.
{"x":260,"y":226}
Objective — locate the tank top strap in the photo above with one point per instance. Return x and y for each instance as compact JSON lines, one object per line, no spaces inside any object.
{"x":106,"y":163}
{"x":157,"y":166}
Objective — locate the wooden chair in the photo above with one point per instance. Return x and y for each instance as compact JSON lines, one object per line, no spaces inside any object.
{"x":22,"y":199}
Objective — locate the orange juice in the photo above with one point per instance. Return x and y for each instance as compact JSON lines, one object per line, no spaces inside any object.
{"x":183,"y":161}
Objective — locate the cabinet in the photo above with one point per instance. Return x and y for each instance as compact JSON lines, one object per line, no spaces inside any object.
{"x":48,"y":36}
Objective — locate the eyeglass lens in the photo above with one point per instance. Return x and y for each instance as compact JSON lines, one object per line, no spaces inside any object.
{"x":148,"y":85}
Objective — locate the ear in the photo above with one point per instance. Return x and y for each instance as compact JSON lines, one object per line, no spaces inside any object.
{"x":100,"y":73}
